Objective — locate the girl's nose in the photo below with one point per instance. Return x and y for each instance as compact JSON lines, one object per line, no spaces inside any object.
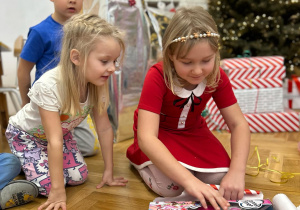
{"x":197,"y":69}
{"x":112,"y":68}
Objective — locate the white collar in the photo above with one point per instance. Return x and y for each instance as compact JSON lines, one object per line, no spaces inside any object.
{"x":184,"y":93}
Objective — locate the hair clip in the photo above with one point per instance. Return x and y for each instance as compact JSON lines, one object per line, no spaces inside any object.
{"x":195,"y":36}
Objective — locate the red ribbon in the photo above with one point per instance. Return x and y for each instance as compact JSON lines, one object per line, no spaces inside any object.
{"x":297,"y":82}
{"x":290,"y":88}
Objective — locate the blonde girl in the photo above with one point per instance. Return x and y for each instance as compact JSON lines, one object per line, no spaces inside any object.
{"x":173,"y":150}
{"x":41,"y":133}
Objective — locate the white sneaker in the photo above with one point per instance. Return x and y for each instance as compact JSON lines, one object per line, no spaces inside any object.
{"x":17,"y":192}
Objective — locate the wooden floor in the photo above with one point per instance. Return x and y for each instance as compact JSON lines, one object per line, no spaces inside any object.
{"x":279,"y":148}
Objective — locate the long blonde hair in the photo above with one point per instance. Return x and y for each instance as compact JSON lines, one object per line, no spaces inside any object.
{"x":81,"y":32}
{"x":186,"y":22}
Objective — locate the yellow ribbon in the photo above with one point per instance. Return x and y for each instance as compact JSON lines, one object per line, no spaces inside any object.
{"x":285,"y":176}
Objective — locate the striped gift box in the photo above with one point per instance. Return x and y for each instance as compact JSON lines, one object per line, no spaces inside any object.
{"x":273,"y":122}
{"x":260,"y":100}
{"x":259,"y":95}
{"x":255,"y":101}
{"x":258,"y":83}
{"x":286,"y":121}
{"x":254,"y":67}
{"x":215,"y":122}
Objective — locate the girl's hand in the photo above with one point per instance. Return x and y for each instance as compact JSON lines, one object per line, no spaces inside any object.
{"x":233,"y":185}
{"x":108,"y":179}
{"x":57,"y":199}
{"x":205,"y":192}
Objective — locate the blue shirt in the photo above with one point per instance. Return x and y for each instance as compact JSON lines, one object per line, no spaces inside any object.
{"x":43,"y":45}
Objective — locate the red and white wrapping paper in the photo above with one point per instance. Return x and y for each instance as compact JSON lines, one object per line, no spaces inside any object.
{"x":246,"y":191}
{"x":257,"y":83}
{"x":260,"y":100}
{"x":215,"y":122}
{"x":254,"y":67}
{"x":255,"y":101}
{"x":284,"y":121}
{"x":287,"y":121}
{"x":291,"y":93}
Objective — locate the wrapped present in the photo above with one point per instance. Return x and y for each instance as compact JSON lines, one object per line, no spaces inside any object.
{"x":215,"y":122}
{"x":291,"y":93}
{"x":258,"y":83}
{"x":254,"y":67}
{"x":260,"y":100}
{"x":255,"y":100}
{"x":286,"y":121}
{"x":256,"y":204}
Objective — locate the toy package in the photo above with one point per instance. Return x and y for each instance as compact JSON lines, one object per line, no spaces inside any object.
{"x":261,"y":204}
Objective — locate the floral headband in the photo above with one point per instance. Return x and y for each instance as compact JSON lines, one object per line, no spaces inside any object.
{"x":195,"y":36}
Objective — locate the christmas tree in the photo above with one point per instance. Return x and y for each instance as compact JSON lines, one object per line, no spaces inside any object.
{"x":263,"y":28}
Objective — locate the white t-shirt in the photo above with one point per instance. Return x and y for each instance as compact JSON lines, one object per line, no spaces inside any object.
{"x":44,"y":94}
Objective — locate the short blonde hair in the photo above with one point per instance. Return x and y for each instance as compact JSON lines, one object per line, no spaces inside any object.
{"x":81,"y":32}
{"x":186,"y":22}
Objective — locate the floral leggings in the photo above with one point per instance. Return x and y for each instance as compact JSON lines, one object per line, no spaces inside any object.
{"x":166,"y":187}
{"x":33,"y":155}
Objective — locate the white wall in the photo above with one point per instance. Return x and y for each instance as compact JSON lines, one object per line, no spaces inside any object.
{"x":16,"y":16}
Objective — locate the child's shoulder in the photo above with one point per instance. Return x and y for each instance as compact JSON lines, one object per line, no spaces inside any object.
{"x":49,"y":78}
{"x":45,"y":25}
{"x":157,"y":66}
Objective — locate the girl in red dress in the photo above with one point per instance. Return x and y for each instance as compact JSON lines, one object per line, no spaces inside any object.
{"x":173,"y":150}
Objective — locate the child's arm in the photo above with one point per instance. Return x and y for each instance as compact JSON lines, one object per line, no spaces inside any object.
{"x":148,"y":124}
{"x":52,"y":126}
{"x":233,"y":184}
{"x":24,"y":80}
{"x":106,"y":136}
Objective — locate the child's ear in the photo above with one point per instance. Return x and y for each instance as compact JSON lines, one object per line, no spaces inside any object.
{"x":171,"y":57}
{"x":75,"y":57}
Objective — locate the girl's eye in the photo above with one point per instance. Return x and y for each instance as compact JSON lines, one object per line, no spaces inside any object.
{"x":104,"y":62}
{"x":186,"y":63}
{"x":207,"y":60}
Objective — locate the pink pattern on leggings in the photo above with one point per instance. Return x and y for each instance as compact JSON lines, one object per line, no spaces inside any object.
{"x":33,"y":154}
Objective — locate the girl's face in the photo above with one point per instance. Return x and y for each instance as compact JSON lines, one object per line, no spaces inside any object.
{"x":196,"y":65}
{"x":101,"y":62}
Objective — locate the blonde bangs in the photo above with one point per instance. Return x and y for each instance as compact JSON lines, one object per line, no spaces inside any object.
{"x":186,"y":22}
{"x":80,"y":33}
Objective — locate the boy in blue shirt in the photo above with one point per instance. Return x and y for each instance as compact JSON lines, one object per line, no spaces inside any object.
{"x":42,"y":50}
{"x":43,"y":44}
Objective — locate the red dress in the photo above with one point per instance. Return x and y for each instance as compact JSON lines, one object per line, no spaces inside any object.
{"x":182,"y":129}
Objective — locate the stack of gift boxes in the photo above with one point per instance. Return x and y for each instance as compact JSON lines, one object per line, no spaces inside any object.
{"x":257,"y":83}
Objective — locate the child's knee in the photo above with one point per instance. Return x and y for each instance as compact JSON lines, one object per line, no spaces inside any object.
{"x":77,"y":176}
{"x":43,"y":184}
{"x":166,"y":189}
{"x":11,"y":163}
{"x":171,"y":190}
{"x":160,"y":183}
